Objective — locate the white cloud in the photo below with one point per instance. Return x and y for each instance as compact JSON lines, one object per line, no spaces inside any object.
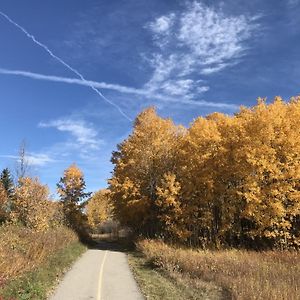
{"x":33,"y":159}
{"x":162,"y":24}
{"x":211,"y":36}
{"x":182,"y":87}
{"x":201,"y":40}
{"x":211,"y":70}
{"x":85,"y":136}
{"x":38,"y":159}
{"x":162,"y":70}
{"x":202,"y":89}
{"x":178,"y":87}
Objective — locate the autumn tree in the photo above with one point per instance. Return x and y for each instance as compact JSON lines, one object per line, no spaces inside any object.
{"x":198,"y":164}
{"x":71,"y":190}
{"x":226,"y":180}
{"x":32,"y":204}
{"x":140,"y":164}
{"x":98,"y":208}
{"x":270,"y":165}
{"x":170,"y":209}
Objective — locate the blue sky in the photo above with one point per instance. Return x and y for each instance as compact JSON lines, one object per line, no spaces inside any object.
{"x":187,"y":58}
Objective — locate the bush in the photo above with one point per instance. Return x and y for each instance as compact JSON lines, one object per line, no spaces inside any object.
{"x":22,"y":249}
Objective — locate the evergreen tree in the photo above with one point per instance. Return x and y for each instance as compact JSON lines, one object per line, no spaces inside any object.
{"x":7,"y":182}
{"x":3,"y":204}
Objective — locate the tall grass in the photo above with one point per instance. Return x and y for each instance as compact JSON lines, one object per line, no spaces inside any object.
{"x":243,"y":274}
{"x":22,"y":249}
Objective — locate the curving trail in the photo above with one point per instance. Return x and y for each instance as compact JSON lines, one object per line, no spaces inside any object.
{"x":100,"y":274}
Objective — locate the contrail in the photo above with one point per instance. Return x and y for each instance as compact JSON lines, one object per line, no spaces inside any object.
{"x":116,"y":87}
{"x":30,"y":36}
{"x":88,"y":83}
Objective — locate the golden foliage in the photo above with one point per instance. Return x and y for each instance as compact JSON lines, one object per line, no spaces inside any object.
{"x":72,"y":183}
{"x":32,"y":206}
{"x":71,"y":190}
{"x":226,"y":180}
{"x":98,"y":208}
{"x":140,"y":164}
{"x":170,"y":213}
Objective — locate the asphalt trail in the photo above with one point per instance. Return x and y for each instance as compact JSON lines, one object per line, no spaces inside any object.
{"x":101,"y":274}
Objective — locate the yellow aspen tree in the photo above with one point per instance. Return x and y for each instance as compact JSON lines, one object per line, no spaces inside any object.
{"x":270,"y":152}
{"x":226,"y":206}
{"x":32,"y":204}
{"x":71,"y":189}
{"x":98,"y":208}
{"x":170,"y":212}
{"x":140,"y":163}
{"x":226,"y":180}
{"x":196,"y":175}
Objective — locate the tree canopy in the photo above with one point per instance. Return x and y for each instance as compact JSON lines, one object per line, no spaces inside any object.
{"x":225,"y":180}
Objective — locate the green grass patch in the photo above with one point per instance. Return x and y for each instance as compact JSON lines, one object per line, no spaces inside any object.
{"x":37,"y":284}
{"x":155,"y":284}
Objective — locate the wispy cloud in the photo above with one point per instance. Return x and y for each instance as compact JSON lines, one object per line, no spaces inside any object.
{"x":39,"y":159}
{"x":201,"y":40}
{"x":81,"y":141}
{"x":163,"y":24}
{"x":161,"y":28}
{"x":171,"y":88}
{"x":181,"y":87}
{"x":84,"y":135}
{"x":293,"y":3}
{"x":33,"y":159}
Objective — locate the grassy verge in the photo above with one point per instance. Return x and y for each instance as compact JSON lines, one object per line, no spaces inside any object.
{"x":239,"y":274}
{"x":157,"y":284}
{"x":37,"y":283}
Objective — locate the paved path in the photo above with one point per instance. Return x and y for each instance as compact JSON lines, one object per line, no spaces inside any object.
{"x":101,"y":274}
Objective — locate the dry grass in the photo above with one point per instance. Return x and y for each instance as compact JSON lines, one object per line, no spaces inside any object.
{"x":242,"y":274}
{"x":22,"y":249}
{"x":40,"y":283}
{"x":156,"y":284}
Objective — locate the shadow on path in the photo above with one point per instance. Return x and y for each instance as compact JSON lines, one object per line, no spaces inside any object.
{"x":121,"y":245}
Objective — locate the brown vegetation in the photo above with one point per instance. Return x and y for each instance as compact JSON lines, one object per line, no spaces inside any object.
{"x":242,"y":274}
{"x":22,"y":249}
{"x":34,"y":227}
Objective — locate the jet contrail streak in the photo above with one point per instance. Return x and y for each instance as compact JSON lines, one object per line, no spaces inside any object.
{"x":116,"y":87}
{"x":30,"y":36}
{"x":88,"y":83}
